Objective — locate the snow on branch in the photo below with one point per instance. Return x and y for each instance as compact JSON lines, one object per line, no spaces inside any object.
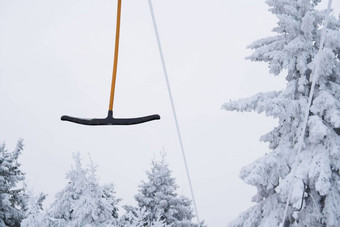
{"x":249,"y":104}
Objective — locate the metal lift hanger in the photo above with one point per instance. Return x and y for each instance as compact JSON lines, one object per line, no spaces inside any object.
{"x":110,"y":120}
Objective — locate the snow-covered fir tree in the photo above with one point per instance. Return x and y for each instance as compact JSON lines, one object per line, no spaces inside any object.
{"x":139,"y":218}
{"x":34,"y":210}
{"x":12,"y":198}
{"x":83,"y":202}
{"x":313,"y":173}
{"x":158,"y":200}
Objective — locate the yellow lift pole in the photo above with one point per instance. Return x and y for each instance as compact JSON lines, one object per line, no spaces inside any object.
{"x":115,"y":60}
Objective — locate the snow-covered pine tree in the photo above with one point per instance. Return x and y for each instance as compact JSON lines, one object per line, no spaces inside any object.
{"x":313,"y":175}
{"x":139,"y":218}
{"x":11,"y":192}
{"x":158,"y":200}
{"x":83,"y":202}
{"x":34,"y":215}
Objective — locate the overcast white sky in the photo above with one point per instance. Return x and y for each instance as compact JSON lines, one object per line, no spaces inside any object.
{"x":56,"y":58}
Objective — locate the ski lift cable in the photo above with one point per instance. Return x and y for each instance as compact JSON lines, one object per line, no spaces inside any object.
{"x":314,"y":75}
{"x":173,"y":106}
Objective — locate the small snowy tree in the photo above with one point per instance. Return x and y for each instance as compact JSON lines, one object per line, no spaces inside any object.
{"x":83,"y":202}
{"x":139,"y":218}
{"x":313,"y":173}
{"x":12,"y":196}
{"x":158,"y":201}
{"x":33,"y":210}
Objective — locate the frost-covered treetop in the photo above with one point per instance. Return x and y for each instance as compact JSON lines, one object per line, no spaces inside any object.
{"x":297,"y":40}
{"x":12,"y":196}
{"x":83,"y":201}
{"x":159,"y":200}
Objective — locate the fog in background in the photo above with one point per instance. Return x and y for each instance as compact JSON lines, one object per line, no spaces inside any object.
{"x":56,"y":58}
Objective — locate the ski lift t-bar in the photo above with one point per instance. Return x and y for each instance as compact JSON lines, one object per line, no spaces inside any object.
{"x":110,"y":120}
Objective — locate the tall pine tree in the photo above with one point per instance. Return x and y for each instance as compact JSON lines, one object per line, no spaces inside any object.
{"x":313,"y":173}
{"x":12,"y":198}
{"x":158,"y":201}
